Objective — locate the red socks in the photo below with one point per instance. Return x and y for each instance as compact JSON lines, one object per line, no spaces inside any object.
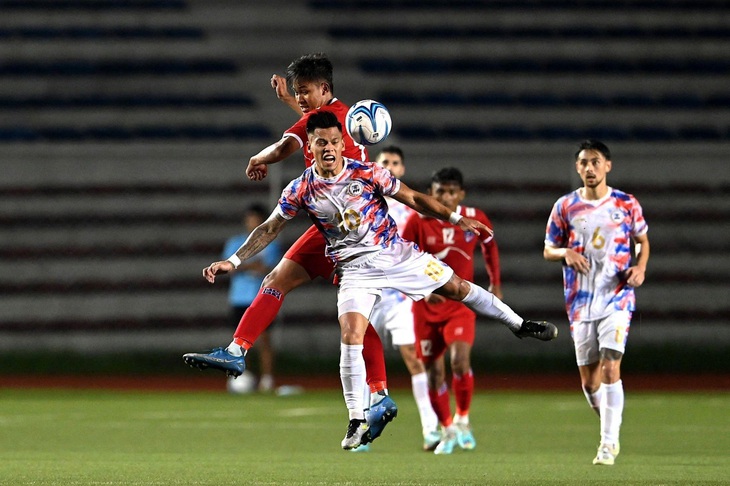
{"x":372,"y":353}
{"x":259,"y":315}
{"x":463,"y":388}
{"x":440,"y":403}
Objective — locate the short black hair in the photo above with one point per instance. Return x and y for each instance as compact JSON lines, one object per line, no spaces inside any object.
{"x":258,"y":209}
{"x":311,"y":67}
{"x":448,"y":174}
{"x":594,"y":145}
{"x":394,"y":149}
{"x":322,"y":119}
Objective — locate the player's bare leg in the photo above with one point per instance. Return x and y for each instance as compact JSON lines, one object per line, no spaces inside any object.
{"x":590,"y":381}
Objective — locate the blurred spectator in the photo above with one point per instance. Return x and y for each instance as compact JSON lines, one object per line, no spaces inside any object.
{"x":244,"y":285}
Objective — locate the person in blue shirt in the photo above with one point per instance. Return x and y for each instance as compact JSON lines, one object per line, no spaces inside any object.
{"x":245,"y":283}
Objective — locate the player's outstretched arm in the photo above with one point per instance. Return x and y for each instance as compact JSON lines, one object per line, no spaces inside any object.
{"x":276,"y":152}
{"x":259,"y":239}
{"x":429,"y":206}
{"x":282,"y":92}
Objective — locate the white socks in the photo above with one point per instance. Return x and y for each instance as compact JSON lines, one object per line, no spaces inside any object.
{"x":461,"y":419}
{"x":235,"y":349}
{"x":429,"y":420}
{"x":594,"y":399}
{"x":352,"y":375}
{"x":612,"y":407}
{"x":486,"y":304}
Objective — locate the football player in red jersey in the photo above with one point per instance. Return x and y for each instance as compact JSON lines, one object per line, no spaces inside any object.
{"x":311,"y":79}
{"x":442,"y":324}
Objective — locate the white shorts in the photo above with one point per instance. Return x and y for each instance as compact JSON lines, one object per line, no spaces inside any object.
{"x":590,"y":337}
{"x":400,"y":266}
{"x":393,"y":315}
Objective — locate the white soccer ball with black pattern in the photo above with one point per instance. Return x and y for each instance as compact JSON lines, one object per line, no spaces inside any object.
{"x":368,"y":122}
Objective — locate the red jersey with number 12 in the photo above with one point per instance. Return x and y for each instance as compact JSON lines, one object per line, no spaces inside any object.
{"x":455,"y":247}
{"x":298,"y":131}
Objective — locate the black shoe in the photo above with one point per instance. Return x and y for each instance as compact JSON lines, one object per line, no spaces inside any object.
{"x":542,"y":330}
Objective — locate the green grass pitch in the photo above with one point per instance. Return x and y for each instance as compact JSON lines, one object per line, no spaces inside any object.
{"x":54,"y":437}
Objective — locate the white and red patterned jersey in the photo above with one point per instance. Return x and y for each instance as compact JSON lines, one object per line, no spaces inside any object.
{"x":601,"y":231}
{"x":298,"y":131}
{"x":349,"y":209}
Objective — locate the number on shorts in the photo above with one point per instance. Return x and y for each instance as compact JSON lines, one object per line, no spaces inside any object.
{"x":426,"y":347}
{"x":434,"y":270}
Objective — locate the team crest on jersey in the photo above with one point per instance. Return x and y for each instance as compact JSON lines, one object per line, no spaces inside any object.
{"x":355,"y":188}
{"x":468,"y":236}
{"x":617,"y":216}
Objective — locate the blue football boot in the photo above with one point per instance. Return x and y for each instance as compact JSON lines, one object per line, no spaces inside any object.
{"x":379,"y":416}
{"x":219,"y":359}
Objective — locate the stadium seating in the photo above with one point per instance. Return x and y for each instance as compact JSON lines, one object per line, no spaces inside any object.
{"x":126,"y":126}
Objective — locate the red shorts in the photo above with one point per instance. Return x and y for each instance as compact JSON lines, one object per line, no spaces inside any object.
{"x":434,"y":338}
{"x":308,"y":251}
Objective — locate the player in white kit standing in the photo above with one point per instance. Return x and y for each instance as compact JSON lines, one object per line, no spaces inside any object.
{"x":590,"y":232}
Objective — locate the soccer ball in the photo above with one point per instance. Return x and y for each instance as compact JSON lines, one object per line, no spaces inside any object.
{"x":245,"y":383}
{"x":368,"y":122}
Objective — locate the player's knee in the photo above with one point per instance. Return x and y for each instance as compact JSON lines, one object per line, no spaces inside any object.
{"x":460,"y":366}
{"x":611,"y":355}
{"x":610,"y":365}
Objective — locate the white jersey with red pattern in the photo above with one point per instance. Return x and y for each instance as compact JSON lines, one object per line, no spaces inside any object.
{"x":348,"y":209}
{"x":601,"y":231}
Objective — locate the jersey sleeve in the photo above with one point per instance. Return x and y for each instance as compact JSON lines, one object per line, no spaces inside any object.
{"x":490,"y":251}
{"x":639,"y":226}
{"x":298,"y":131}
{"x":556,"y":230}
{"x":289,"y":202}
{"x":383,"y":179}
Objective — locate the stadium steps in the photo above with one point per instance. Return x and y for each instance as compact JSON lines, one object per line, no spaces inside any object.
{"x":135,"y":258}
{"x":120,"y":257}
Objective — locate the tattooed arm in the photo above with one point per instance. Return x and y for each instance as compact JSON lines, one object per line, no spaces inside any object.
{"x":259,"y":239}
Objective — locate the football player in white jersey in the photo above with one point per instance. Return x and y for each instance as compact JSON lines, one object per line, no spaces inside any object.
{"x":392,"y":315}
{"x":590,"y":231}
{"x":344,"y":198}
